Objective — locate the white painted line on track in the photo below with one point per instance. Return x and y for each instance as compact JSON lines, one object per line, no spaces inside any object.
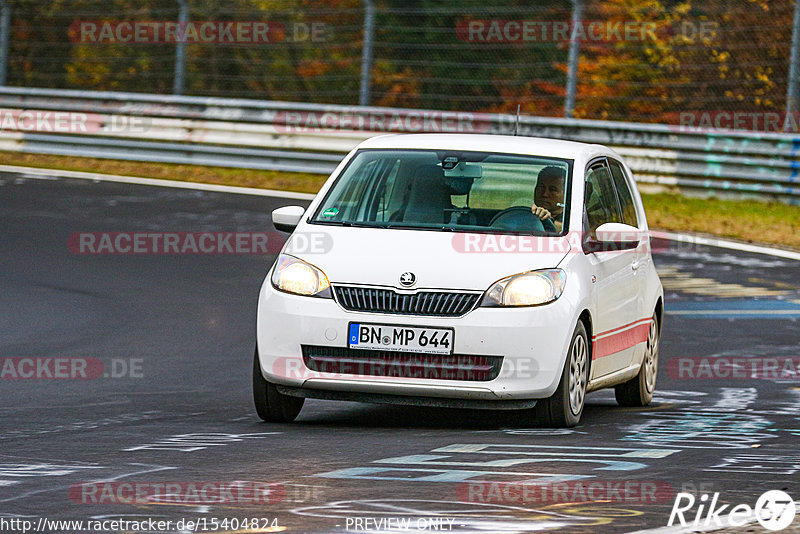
{"x":733,"y":312}
{"x":723,"y":243}
{"x":47,"y":174}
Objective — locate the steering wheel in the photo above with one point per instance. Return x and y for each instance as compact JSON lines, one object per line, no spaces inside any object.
{"x":521,"y":219}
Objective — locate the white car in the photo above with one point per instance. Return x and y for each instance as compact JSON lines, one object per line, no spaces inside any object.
{"x":473,"y":271}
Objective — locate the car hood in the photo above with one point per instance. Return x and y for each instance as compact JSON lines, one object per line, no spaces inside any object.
{"x":438,"y":259}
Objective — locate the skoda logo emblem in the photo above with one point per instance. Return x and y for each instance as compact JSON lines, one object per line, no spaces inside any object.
{"x":408,"y":279}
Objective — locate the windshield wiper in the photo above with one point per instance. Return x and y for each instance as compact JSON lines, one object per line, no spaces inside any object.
{"x":441,"y":228}
{"x":419,"y":227}
{"x":350,"y":223}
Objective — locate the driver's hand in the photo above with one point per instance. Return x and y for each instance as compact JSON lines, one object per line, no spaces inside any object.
{"x":540,"y":212}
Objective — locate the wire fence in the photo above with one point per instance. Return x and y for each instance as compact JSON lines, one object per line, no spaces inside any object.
{"x":714,"y":63}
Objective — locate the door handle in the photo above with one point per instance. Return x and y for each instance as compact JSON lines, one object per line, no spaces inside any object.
{"x":635,"y":266}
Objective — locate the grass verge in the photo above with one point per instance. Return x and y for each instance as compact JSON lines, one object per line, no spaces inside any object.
{"x":764,"y":222}
{"x":304,"y":183}
{"x":773,"y":223}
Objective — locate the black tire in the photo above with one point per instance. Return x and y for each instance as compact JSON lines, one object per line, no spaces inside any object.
{"x":565,"y":406}
{"x":271,"y":405}
{"x":638,"y":391}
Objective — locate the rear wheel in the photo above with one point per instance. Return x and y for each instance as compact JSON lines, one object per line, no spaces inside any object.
{"x":565,"y":406}
{"x":272,"y":405}
{"x":638,"y":391}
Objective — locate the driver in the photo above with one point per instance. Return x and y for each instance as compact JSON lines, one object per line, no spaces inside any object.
{"x":548,"y":197}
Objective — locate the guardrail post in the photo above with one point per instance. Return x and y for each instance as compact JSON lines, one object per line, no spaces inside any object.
{"x":366,"y":53}
{"x":180,"y":48}
{"x":5,"y":23}
{"x":572,"y":66}
{"x":793,"y":85}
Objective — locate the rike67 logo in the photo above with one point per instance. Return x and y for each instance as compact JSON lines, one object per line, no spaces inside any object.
{"x":774,"y":510}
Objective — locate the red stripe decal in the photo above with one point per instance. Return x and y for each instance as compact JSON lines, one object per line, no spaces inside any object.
{"x":620,"y":341}
{"x":623,"y":327}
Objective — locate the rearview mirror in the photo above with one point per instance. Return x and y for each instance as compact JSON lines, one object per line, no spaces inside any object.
{"x":287,"y":218}
{"x":464,"y":170}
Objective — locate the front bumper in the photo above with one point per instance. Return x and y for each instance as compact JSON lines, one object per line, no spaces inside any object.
{"x":532,"y":341}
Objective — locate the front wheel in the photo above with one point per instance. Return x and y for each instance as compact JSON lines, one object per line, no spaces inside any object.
{"x":272,"y":405}
{"x":565,"y":406}
{"x":638,"y":391}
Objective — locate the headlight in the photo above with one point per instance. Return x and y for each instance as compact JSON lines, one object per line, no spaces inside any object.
{"x":526,"y":289}
{"x":293,"y":275}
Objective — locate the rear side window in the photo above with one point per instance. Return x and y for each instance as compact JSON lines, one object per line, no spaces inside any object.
{"x":623,"y":193}
{"x":600,"y":201}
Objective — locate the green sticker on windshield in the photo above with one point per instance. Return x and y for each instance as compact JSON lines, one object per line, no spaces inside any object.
{"x":330,"y":212}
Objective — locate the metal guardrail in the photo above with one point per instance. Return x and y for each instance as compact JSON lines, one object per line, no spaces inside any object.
{"x":287,"y":136}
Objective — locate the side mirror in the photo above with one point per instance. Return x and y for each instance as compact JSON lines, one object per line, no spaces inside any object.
{"x":287,"y":218}
{"x":613,"y":236}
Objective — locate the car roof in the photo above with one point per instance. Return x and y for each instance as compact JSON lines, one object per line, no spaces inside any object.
{"x":508,"y":144}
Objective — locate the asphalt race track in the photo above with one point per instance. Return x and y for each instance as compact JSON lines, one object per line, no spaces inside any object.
{"x":169,"y":343}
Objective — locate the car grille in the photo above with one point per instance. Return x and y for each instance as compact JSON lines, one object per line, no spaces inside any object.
{"x":437,"y":303}
{"x":341,"y":360}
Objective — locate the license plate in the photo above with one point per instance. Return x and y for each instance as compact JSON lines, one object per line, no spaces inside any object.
{"x":400,"y":338}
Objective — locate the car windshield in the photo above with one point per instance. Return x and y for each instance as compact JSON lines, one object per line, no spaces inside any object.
{"x":450,"y":190}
